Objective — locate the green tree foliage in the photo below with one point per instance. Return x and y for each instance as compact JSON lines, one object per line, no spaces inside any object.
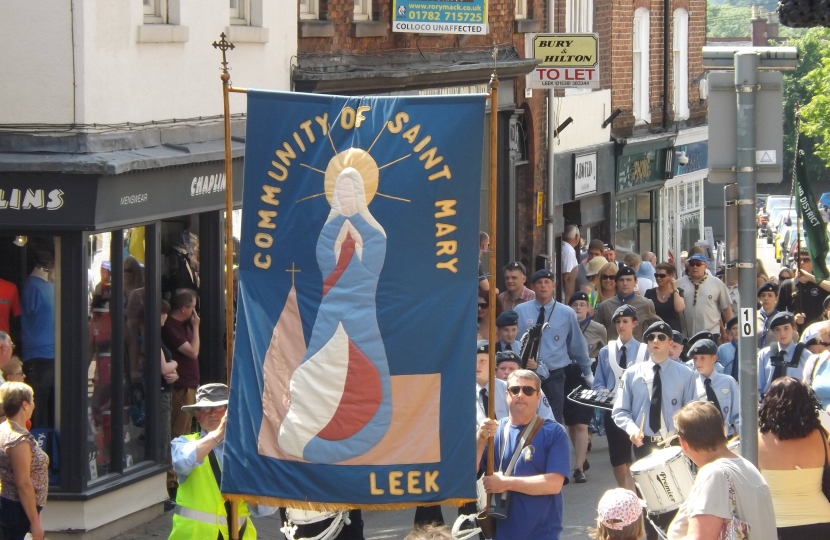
{"x":809,"y":86}
{"x":724,"y":20}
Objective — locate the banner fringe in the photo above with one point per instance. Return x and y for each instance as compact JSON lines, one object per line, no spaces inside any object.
{"x":337,"y":507}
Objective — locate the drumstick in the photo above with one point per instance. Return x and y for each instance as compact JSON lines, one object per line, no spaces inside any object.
{"x":667,"y":441}
{"x":642,"y":423}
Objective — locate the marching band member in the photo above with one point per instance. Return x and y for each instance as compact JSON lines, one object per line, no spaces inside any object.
{"x":768,"y":298}
{"x":690,"y":343}
{"x":577,"y":417}
{"x":613,"y":360}
{"x":649,"y":394}
{"x":728,"y":352}
{"x":507,"y":327}
{"x":677,"y":346}
{"x":785,"y":357}
{"x":717,"y":388}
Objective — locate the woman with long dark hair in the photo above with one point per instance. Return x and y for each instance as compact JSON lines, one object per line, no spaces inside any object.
{"x":792,"y":452}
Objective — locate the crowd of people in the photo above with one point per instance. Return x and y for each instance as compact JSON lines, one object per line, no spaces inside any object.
{"x":663,"y":341}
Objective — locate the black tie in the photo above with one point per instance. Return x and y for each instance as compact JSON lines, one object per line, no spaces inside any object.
{"x":541,"y":318}
{"x":484,"y":401}
{"x":655,"y":410}
{"x":507,"y":347}
{"x":623,"y":358}
{"x":711,"y":396}
{"x":780,"y":370}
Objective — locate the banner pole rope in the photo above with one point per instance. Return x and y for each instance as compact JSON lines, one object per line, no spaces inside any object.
{"x":494,"y":125}
{"x":224,"y":45}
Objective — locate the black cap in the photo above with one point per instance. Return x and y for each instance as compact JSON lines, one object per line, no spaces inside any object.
{"x":482,"y":346}
{"x":626,"y":271}
{"x":659,"y":327}
{"x":578,"y":295}
{"x":785,"y":317}
{"x":624,"y":310}
{"x":769,"y":286}
{"x":507,"y":318}
{"x":541,"y":274}
{"x":701,"y":335}
{"x":732,"y":322}
{"x":508,"y":356}
{"x":703,"y":346}
{"x":677,"y":337}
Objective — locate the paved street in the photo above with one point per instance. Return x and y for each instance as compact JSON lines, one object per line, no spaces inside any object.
{"x":580,"y":510}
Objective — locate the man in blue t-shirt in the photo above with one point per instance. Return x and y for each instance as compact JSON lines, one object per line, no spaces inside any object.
{"x":536,"y":506}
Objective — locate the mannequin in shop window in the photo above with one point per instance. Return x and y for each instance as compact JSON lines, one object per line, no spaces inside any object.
{"x":37,"y":327}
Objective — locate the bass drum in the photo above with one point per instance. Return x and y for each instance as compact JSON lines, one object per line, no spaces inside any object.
{"x":312,"y":525}
{"x":664,"y":479}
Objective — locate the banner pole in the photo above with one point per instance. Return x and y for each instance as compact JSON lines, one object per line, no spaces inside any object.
{"x":224,"y":45}
{"x":494,"y":125}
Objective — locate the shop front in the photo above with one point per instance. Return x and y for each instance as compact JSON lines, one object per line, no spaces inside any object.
{"x":92,"y":256}
{"x":683,"y":199}
{"x":642,"y":169}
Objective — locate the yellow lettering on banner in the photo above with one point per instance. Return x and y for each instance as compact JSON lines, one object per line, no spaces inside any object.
{"x":420,"y":146}
{"x":400,"y":119}
{"x":360,"y":118}
{"x":306,"y":126}
{"x":287,"y":154}
{"x":448,"y":247}
{"x":263,"y":240}
{"x":324,"y":123}
{"x":443,"y":173}
{"x":444,"y":229}
{"x":446,"y":207}
{"x":432,"y":161}
{"x":268,"y":197}
{"x":395,"y":483}
{"x":373,"y":485}
{"x":265,"y":265}
{"x":278,"y":177}
{"x":265,"y":219}
{"x":347,"y":118}
{"x":448,"y":265}
{"x":411,"y":133}
{"x":413,"y":478}
{"x":299,"y":141}
{"x":430,"y":478}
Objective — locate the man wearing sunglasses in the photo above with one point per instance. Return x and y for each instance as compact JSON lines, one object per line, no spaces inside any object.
{"x":561,"y":343}
{"x":648,"y":396}
{"x":536,"y":506}
{"x":708,"y":304}
{"x":808,"y":300}
{"x":626,"y":281}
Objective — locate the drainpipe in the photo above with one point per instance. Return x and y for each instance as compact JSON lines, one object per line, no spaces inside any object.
{"x":551,"y":145}
{"x":666,"y":54}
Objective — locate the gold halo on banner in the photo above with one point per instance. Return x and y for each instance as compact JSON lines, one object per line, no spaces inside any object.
{"x":359,"y":160}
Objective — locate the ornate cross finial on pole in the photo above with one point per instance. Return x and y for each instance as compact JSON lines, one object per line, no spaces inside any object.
{"x":293,"y":271}
{"x":223,"y":45}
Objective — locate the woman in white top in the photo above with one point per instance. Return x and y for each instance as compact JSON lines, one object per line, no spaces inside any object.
{"x":726,"y":485}
{"x":792,"y":450}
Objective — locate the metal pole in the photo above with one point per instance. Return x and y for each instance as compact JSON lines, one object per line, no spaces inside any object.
{"x":746,"y":85}
{"x":491,"y":323}
{"x":549,"y":244}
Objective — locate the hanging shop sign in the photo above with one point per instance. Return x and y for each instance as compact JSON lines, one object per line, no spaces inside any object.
{"x":585,"y":174}
{"x":565,"y":61}
{"x":440,"y":17}
{"x":636,"y":170}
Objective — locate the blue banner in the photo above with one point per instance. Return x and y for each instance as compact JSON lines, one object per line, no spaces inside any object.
{"x":356,"y":323}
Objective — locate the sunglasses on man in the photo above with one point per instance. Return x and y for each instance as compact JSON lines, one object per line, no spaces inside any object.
{"x":657,"y":337}
{"x":661,"y":276}
{"x":526,"y":390}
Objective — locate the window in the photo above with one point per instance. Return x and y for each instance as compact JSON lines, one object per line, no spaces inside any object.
{"x":641,"y":66}
{"x":680,"y":53}
{"x":362,"y":10}
{"x":240,"y":12}
{"x":521,"y":9}
{"x":155,"y":11}
{"x":309,"y":9}
{"x":579,"y":17}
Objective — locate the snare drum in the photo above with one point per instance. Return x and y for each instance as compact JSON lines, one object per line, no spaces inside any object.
{"x":664,"y":479}
{"x":734,"y":446}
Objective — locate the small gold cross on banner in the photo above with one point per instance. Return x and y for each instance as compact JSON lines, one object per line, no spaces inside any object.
{"x":223,"y":45}
{"x":293,"y":271}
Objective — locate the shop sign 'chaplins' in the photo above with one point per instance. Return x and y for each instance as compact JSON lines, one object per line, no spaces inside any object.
{"x":31,"y":199}
{"x":360,"y":219}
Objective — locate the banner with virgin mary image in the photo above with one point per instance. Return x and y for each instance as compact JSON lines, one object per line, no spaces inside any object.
{"x":354,"y":359}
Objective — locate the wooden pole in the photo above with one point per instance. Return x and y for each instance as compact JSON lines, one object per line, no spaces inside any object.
{"x":494,"y":137}
{"x":223,"y":45}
